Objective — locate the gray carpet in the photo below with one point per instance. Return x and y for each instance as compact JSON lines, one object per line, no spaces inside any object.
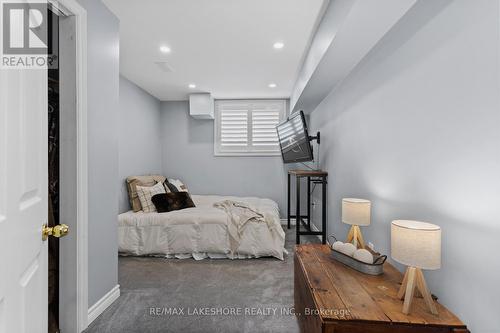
{"x":262,"y":289}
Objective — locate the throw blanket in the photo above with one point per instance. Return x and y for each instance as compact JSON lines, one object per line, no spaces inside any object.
{"x":239,"y":215}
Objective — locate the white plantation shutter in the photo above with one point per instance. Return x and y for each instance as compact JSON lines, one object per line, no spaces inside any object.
{"x":234,"y":128}
{"x":264,"y":122}
{"x":247,"y":127}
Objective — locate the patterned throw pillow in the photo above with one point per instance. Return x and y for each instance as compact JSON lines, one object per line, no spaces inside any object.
{"x":167,"y":202}
{"x":145,"y":194}
{"x":175,"y":185}
{"x":169,"y":187}
{"x":133,"y":181}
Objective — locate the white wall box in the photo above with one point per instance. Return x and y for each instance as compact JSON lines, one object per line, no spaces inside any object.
{"x":201,"y":106}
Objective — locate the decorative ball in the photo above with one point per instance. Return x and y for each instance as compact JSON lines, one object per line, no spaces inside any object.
{"x":336,"y":246}
{"x":364,"y":256}
{"x":348,"y":249}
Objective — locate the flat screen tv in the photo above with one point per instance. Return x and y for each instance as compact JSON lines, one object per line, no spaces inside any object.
{"x":294,"y":139}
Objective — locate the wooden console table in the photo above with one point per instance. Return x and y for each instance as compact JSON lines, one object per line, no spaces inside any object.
{"x":312,"y":176}
{"x":331,"y":297}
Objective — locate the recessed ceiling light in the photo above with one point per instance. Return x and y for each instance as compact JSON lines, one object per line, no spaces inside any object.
{"x":272,"y":85}
{"x":165,"y":49}
{"x":192,"y":85}
{"x":278,"y":45}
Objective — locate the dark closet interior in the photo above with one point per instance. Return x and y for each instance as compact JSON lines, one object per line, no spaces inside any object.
{"x":53,"y":160}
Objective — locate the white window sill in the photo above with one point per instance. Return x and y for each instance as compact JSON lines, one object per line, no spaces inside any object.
{"x":256,"y":154}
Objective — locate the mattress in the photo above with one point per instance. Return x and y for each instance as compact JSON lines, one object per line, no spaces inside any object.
{"x":201,"y":231}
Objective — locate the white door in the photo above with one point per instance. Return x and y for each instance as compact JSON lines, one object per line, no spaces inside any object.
{"x":23,"y":200}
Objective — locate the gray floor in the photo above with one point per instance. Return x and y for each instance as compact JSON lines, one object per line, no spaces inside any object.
{"x":262,"y":289}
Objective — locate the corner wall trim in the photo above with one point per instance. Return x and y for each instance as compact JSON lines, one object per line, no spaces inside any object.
{"x":102,"y":304}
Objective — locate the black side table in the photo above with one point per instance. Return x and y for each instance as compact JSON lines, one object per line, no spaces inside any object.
{"x":313,"y":176}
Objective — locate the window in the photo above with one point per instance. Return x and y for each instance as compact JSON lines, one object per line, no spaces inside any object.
{"x":247,"y":127}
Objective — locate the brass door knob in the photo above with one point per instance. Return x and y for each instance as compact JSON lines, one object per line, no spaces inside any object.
{"x":58,"y":231}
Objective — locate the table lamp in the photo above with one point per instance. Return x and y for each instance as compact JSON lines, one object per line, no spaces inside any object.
{"x":418,"y":246}
{"x":356,"y":212}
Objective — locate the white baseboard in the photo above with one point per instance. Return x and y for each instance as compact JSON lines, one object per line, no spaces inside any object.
{"x":102,"y":304}
{"x":284,"y":222}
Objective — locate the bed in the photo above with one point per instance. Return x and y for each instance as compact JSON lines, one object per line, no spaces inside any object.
{"x":201,"y":232}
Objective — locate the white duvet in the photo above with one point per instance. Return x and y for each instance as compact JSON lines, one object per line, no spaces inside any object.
{"x":201,"y":231}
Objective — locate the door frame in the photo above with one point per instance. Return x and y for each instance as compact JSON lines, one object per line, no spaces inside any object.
{"x":73,"y":8}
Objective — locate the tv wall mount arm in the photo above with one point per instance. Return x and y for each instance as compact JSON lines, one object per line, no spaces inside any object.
{"x":318,"y":141}
{"x":317,"y":137}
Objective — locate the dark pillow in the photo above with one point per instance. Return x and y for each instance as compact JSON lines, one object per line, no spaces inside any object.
{"x":167,"y":202}
{"x":168,"y":185}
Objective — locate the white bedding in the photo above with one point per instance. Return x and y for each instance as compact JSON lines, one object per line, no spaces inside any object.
{"x":201,"y":231}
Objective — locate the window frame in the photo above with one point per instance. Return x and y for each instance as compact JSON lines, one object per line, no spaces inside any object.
{"x":251,"y":103}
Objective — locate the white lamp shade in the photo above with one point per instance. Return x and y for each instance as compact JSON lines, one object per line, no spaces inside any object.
{"x":356,"y":211}
{"x":416,"y":244}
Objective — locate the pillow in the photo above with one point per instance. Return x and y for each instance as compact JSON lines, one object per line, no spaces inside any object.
{"x":167,"y":202}
{"x":169,"y":187}
{"x":145,"y":194}
{"x":176,"y":184}
{"x":133,"y":181}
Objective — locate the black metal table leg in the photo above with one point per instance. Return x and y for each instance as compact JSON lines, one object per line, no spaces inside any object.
{"x":288,"y":207}
{"x":323,"y":210}
{"x":297,"y":214}
{"x":309,"y":203}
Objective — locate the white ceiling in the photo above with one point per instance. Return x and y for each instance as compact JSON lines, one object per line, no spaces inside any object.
{"x":223,"y":46}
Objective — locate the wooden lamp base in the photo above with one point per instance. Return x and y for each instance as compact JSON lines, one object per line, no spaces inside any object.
{"x":356,"y":236}
{"x":415,"y":278}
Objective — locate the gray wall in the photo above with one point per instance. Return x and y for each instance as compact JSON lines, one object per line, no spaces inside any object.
{"x":103,"y":104}
{"x":415,"y":129}
{"x":139,"y":136}
{"x":188,"y":154}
